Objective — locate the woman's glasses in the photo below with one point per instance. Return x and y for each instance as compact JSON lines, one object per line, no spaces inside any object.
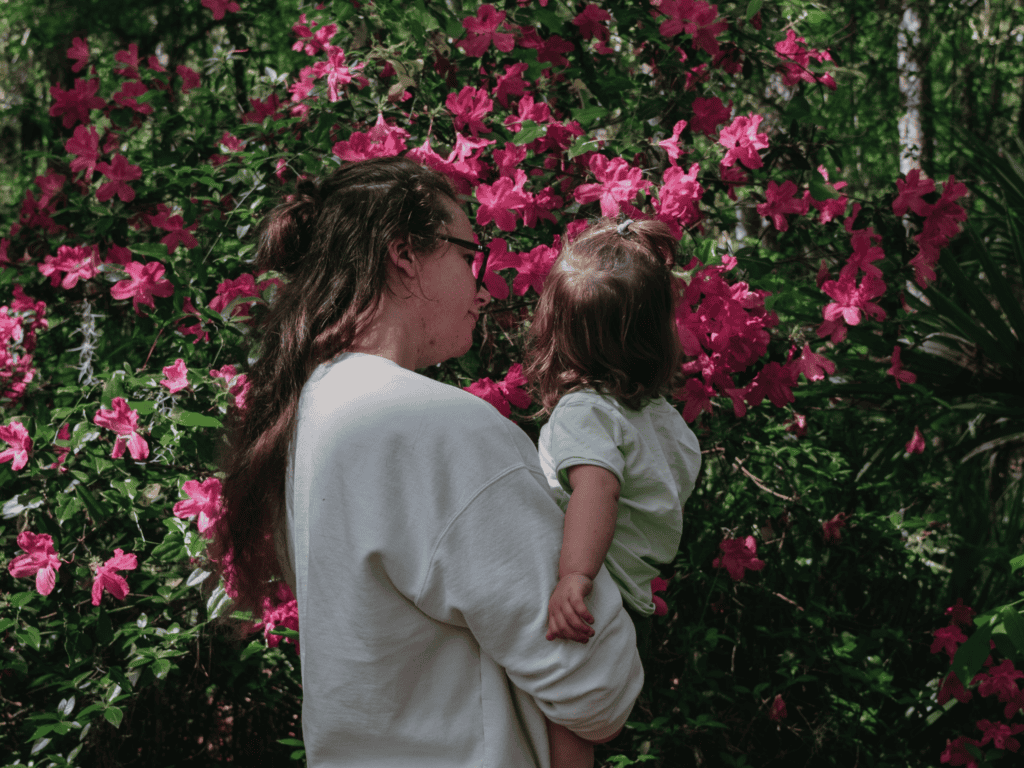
{"x":475,"y":249}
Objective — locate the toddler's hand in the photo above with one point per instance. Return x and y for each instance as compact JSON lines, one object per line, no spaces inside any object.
{"x":568,"y":616}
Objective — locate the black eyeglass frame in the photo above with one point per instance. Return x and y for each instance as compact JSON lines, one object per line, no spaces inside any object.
{"x":471,"y":247}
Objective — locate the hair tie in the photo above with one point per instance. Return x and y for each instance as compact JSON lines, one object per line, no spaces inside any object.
{"x":624,"y":226}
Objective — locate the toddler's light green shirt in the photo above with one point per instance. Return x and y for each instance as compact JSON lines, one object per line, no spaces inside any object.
{"x":655,"y":457}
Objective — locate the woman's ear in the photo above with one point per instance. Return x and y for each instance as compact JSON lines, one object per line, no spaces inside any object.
{"x":403,"y":259}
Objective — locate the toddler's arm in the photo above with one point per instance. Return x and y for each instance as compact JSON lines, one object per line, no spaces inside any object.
{"x":589,"y":526}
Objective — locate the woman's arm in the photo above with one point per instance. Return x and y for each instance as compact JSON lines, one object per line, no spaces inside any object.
{"x":589,"y":520}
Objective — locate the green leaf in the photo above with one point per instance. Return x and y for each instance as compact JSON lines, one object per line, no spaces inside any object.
{"x":529,"y":132}
{"x":90,"y":502}
{"x":588,"y":115}
{"x":153,"y":250}
{"x":814,"y":16}
{"x":192,"y":419}
{"x":6,"y":624}
{"x":144,"y":407}
{"x":753,"y":7}
{"x":971,"y":655}
{"x":254,"y":647}
{"x":30,"y":636}
{"x":819,"y":189}
{"x":114,"y":716}
{"x":580,"y":145}
{"x":291,"y":742}
{"x":1013,"y":623}
{"x":1017,"y":563}
{"x":21,"y":599}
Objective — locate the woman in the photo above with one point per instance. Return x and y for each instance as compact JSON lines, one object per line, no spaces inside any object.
{"x":412,"y":521}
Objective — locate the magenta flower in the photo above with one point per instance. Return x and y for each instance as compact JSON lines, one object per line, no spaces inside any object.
{"x":338,"y":73}
{"x":130,"y":58}
{"x":961,"y":614}
{"x":677,"y":199}
{"x":79,"y":53}
{"x":780,"y":201}
{"x":62,"y":451}
{"x":499,"y":203}
{"x":176,"y":376}
{"x":778,"y":709}
{"x":658,"y":584}
{"x":504,"y":394}
{"x":80,"y":262}
{"x":127,"y":97}
{"x":74,"y":105}
{"x":618,"y":183}
{"x":482,"y":30}
{"x":1000,"y":734}
{"x":119,"y":171}
{"x":738,"y":556}
{"x":382,"y":140}
{"x":741,"y":141}
{"x":911,"y":194}
{"x":16,"y":437}
{"x":952,"y":688}
{"x":189,"y":78}
{"x":812,"y":365}
{"x":916,"y":442}
{"x":179,"y":234}
{"x":999,"y":681}
{"x":86,"y":144}
{"x":831,"y":530}
{"x":143,"y":283}
{"x":123,"y":420}
{"x":511,"y":83}
{"x":708,"y":114}
{"x":218,"y":7}
{"x":956,"y":752}
{"x":897,"y":370}
{"x":532,"y":268}
{"x":948,"y":639}
{"x":107,"y":579}
{"x":41,"y":561}
{"x":203,"y":501}
{"x":312,"y":42}
{"x":469,"y":106}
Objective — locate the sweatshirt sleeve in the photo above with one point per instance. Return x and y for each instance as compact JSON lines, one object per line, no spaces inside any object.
{"x":493,"y":570}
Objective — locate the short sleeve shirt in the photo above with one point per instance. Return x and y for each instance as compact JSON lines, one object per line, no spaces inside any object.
{"x":655,"y":457}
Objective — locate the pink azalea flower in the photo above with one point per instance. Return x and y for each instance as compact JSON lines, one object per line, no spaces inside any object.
{"x":74,"y":105}
{"x":704,"y":27}
{"x":179,"y":234}
{"x":999,"y":681}
{"x":268,"y":107}
{"x":812,"y":365}
{"x":79,"y":53}
{"x":177,"y":376}
{"x":671,"y":144}
{"x":203,"y":501}
{"x":737,"y":556}
{"x":382,"y":140}
{"x":312,"y":42}
{"x":592,"y":23}
{"x":41,"y":561}
{"x":62,"y":451}
{"x":339,"y":74}
{"x":911,"y":194}
{"x":123,"y":420}
{"x":482,"y":30}
{"x":143,"y":283}
{"x":126,"y":97}
{"x":119,"y":171}
{"x":618,"y":183}
{"x":902,"y":375}
{"x":916,"y":442}
{"x":778,"y":709}
{"x":1000,"y":734}
{"x":189,"y":78}
{"x":511,"y":83}
{"x":19,"y":444}
{"x":80,"y":262}
{"x":280,"y":613}
{"x":961,"y":614}
{"x":117,"y":254}
{"x":781,"y":200}
{"x":533,"y":268}
{"x":107,"y":579}
{"x":499,"y":203}
{"x":708,"y":114}
{"x":218,"y":7}
{"x":470,"y":106}
{"x":676,"y":204}
{"x":130,"y":58}
{"x":849,"y":300}
{"x":229,"y":290}
{"x":658,"y":584}
{"x":86,"y":144}
{"x":956,"y":752}
{"x":504,"y":394}
{"x":952,"y":688}
{"x":948,"y":639}
{"x":509,"y":159}
{"x":831,"y":530}
{"x":741,"y":141}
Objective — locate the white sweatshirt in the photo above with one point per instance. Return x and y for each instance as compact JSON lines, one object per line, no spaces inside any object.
{"x":424,"y":541}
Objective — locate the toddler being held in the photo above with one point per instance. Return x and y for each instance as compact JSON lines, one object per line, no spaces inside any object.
{"x":602,"y":352}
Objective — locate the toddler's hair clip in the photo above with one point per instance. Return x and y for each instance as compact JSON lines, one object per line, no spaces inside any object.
{"x":624,"y":226}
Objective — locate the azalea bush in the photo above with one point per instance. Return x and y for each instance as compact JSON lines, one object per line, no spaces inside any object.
{"x":794,"y":623}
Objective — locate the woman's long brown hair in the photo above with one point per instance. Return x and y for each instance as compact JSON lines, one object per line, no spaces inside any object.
{"x":331,"y":242}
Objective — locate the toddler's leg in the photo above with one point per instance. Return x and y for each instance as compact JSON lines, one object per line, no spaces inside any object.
{"x":567,"y":749}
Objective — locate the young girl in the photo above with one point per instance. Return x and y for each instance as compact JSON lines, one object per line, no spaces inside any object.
{"x":602,"y":350}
